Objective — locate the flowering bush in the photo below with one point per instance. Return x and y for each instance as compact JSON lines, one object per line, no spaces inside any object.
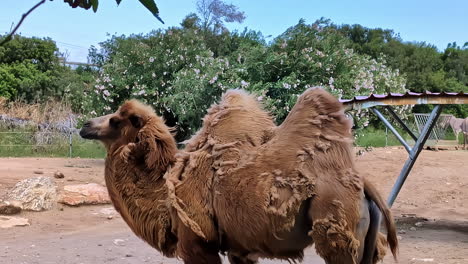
{"x":314,"y":55}
{"x":174,"y":71}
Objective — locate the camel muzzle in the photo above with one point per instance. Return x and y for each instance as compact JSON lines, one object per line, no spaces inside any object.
{"x":87,"y":134}
{"x":88,"y":131}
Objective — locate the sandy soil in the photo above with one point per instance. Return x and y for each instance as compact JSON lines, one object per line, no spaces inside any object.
{"x":436,"y":190}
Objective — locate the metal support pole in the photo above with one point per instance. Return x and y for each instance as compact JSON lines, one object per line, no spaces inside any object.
{"x":414,"y":153}
{"x":402,"y":124}
{"x":386,"y":136}
{"x":387,"y":124}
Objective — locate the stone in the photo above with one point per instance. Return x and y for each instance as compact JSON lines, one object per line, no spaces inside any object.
{"x":35,"y":194}
{"x":59,"y":175}
{"x":412,"y":228}
{"x":10,"y":208}
{"x":108,"y":211}
{"x":418,"y":224}
{"x":119,"y":242}
{"x":11,"y":221}
{"x":38,"y":172}
{"x":82,"y":194}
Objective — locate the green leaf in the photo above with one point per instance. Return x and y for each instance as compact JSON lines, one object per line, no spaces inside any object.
{"x":151,"y":6}
{"x":95,"y":4}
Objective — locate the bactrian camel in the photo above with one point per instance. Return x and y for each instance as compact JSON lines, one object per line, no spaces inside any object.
{"x":244,"y":186}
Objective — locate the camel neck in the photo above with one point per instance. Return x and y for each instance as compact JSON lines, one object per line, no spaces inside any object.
{"x":139,"y":197}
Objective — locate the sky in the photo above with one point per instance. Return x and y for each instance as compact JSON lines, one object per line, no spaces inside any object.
{"x":75,"y":30}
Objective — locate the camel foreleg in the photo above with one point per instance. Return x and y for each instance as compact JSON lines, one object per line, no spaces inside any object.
{"x":238,"y":259}
{"x":192,"y":249}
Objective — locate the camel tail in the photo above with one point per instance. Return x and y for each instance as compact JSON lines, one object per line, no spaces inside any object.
{"x":376,"y":200}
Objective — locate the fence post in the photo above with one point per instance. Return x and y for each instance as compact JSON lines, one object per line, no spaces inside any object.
{"x":70,"y":137}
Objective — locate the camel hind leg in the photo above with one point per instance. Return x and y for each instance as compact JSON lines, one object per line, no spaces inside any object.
{"x":334,"y":241}
{"x":338,"y":214}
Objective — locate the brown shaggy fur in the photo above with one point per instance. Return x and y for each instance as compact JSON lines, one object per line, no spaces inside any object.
{"x":263,"y":175}
{"x":243,"y":185}
{"x":137,"y":188}
{"x":195,"y":182}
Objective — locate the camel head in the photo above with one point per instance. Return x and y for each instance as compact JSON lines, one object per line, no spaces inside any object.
{"x":121,"y":127}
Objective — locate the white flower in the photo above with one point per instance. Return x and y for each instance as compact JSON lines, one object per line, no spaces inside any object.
{"x":260,"y":98}
{"x":213,"y":80}
{"x":197,"y":71}
{"x":286,"y":85}
{"x":244,"y":84}
{"x":151,"y":59}
{"x":154,"y":75}
{"x":106,"y":93}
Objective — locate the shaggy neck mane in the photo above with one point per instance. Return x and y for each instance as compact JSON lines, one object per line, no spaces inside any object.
{"x":137,"y":188}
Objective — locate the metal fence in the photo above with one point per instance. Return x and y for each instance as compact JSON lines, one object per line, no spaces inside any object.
{"x":439,"y":131}
{"x":35,"y":140}
{"x":22,"y":137}
{"x":47,"y":144}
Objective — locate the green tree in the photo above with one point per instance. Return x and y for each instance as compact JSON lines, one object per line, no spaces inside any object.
{"x":178,"y":72}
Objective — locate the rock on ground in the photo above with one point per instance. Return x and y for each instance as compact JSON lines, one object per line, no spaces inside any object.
{"x":10,"y":208}
{"x":11,"y":221}
{"x":36,"y":194}
{"x":59,"y":175}
{"x":79,"y":194}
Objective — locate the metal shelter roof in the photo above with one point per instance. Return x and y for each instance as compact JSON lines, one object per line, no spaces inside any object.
{"x":408,"y":98}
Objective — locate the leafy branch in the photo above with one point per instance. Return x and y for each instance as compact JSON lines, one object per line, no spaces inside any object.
{"x":86,"y":4}
{"x":9,"y":36}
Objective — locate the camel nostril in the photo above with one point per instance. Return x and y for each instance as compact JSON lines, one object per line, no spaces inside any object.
{"x":87,"y":124}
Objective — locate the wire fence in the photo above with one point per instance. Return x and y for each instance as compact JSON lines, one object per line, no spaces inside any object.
{"x":439,"y":132}
{"x":47,"y":144}
{"x":59,"y":138}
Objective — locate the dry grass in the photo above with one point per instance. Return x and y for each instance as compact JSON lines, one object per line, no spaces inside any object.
{"x":50,"y":111}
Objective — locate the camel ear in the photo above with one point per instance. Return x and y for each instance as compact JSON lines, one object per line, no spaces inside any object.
{"x":135,"y":120}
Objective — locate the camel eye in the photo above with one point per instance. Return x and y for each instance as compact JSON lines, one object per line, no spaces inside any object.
{"x":114,"y":122}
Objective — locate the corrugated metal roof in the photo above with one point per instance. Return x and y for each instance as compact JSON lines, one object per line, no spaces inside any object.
{"x":408,"y":98}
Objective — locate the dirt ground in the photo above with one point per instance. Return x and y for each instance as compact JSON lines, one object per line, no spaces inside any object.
{"x":435,"y":194}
